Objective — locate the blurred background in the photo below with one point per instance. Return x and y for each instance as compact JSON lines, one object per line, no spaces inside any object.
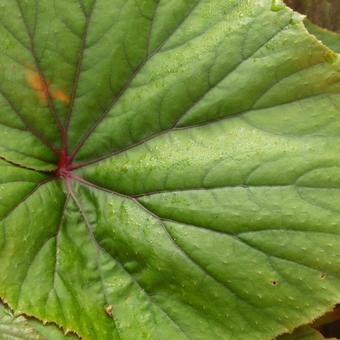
{"x":325,"y":13}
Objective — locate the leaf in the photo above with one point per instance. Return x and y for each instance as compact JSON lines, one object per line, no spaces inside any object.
{"x":303,"y":333}
{"x":169,"y":169}
{"x":19,"y":327}
{"x":326,"y":324}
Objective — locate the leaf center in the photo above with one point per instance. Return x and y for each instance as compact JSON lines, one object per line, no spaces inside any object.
{"x":64,"y":165}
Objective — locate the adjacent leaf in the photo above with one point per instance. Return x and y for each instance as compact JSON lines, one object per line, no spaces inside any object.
{"x":331,"y":39}
{"x":324,"y":13}
{"x":19,"y":327}
{"x":169,"y":169}
{"x":303,"y":333}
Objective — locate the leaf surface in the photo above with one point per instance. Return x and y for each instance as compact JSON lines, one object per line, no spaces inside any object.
{"x":169,"y":169}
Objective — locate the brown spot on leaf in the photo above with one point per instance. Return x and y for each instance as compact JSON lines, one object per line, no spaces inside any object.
{"x":274,"y":283}
{"x":108,"y":310}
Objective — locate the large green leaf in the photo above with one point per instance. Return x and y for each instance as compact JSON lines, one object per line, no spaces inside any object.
{"x":169,"y":169}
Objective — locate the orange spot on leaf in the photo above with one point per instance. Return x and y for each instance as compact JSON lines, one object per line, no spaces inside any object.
{"x":38,"y":84}
{"x":61,"y":95}
{"x":41,"y":87}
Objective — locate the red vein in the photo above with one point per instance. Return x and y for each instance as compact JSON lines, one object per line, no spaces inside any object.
{"x":98,"y":250}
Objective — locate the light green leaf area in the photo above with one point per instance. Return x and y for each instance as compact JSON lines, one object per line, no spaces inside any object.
{"x":22,"y":328}
{"x":168,"y":169}
{"x":304,"y":333}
